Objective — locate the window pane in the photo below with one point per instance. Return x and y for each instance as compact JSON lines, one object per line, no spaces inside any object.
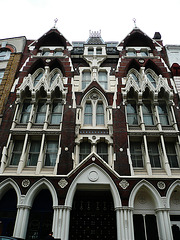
{"x":171,"y":154}
{"x":102,"y":78}
{"x":25,"y":112}
{"x":147,"y":114}
{"x":56,"y":113}
{"x":136,"y":154}
{"x":135,"y":78}
{"x":163,"y":114}
{"x":88,"y":114}
{"x":86,"y":79}
{"x":151,"y":79}
{"x":53,"y":78}
{"x":41,"y":112}
{"x":132,"y":114}
{"x":85,"y":149}
{"x":34,"y":153}
{"x":154,"y":154}
{"x":131,"y":53}
{"x":37,"y":78}
{"x":5,"y":54}
{"x":51,"y":153}
{"x":16,"y":154}
{"x":102,"y":150}
{"x":100,"y":114}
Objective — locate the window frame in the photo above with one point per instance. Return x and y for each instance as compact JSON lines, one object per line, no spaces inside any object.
{"x":51,"y":151}
{"x":38,"y":112}
{"x":149,"y":114}
{"x":132,"y":114}
{"x":23,"y":112}
{"x":136,"y":154}
{"x":56,"y":114}
{"x":86,"y":79}
{"x":86,"y":151}
{"x":103,"y":79}
{"x":34,"y":143}
{"x":16,"y":152}
{"x":153,"y":154}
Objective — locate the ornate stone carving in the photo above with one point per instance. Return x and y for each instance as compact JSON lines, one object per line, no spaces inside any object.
{"x":161,"y":185}
{"x":25,"y":183}
{"x":124,"y":184}
{"x":93,"y":176}
{"x":63,"y":183}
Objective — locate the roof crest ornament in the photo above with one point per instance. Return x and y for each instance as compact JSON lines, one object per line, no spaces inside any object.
{"x":134,"y":20}
{"x":55,"y":22}
{"x":95,"y":33}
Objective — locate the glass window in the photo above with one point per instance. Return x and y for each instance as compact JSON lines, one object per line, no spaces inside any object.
{"x":88,"y":114}
{"x":154,"y":154}
{"x":5,"y":54}
{"x":25,"y":112}
{"x":17,"y":151}
{"x":56,"y":114}
{"x":51,"y":153}
{"x":99,"y":51}
{"x":46,"y":53}
{"x":135,"y":78}
{"x":34,"y":153}
{"x":58,"y":53}
{"x":1,"y":75}
{"x":41,"y":112}
{"x":131,"y":53}
{"x":147,"y":114}
{"x":151,"y":79}
{"x":85,"y":150}
{"x":100,"y":114}
{"x":171,"y":154}
{"x":163,"y":115}
{"x":53,"y":78}
{"x":136,"y":154}
{"x":102,"y":78}
{"x":90,"y":51}
{"x":132,"y":114}
{"x":86,"y":79}
{"x":144,"y":53}
{"x":102,"y":151}
{"x":37,"y":78}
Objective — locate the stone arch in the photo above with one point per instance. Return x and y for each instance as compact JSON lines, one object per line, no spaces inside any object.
{"x":100,"y":179}
{"x":152,"y":192}
{"x":10,"y":184}
{"x":173,"y":186}
{"x":37,"y":187}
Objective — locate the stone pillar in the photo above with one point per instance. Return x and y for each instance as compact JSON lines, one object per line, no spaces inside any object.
{"x":164,"y":224}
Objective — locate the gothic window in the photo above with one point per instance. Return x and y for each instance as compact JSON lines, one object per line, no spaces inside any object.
{"x":16,"y":153}
{"x":154,"y":154}
{"x":56,"y":114}
{"x":135,"y":77}
{"x":151,"y":79}
{"x":51,"y":153}
{"x":102,"y":78}
{"x":171,"y":154}
{"x":163,"y":114}
{"x":25,"y":112}
{"x":86,"y":79}
{"x":41,"y":112}
{"x":53,"y":78}
{"x":33,"y":153}
{"x":38,"y":78}
{"x":136,"y":154}
{"x":85,"y":150}
{"x":88,"y":114}
{"x":100,"y":114}
{"x":147,"y":114}
{"x":102,"y":151}
{"x":132,"y":118}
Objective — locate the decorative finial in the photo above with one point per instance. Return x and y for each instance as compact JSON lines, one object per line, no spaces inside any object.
{"x":94,"y":33}
{"x":134,"y":20}
{"x":55,"y":21}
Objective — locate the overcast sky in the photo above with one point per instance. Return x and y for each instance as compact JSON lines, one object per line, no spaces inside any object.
{"x":33,"y":18}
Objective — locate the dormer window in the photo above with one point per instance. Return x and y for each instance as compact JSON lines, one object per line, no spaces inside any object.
{"x":131,"y":53}
{"x":46,"y":52}
{"x":99,"y":51}
{"x":143,"y":53}
{"x":58,"y":52}
{"x":4,"y":54}
{"x":90,"y":51}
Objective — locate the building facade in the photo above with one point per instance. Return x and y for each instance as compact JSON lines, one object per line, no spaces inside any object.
{"x":90,"y":140}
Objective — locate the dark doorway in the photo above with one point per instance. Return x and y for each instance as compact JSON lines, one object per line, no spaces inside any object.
{"x":41,"y":216}
{"x":93,"y":216}
{"x":8,"y":210}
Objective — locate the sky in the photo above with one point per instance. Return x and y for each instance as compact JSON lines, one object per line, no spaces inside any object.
{"x":33,"y":18}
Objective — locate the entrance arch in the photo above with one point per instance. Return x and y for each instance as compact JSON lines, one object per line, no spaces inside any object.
{"x":92,"y":186}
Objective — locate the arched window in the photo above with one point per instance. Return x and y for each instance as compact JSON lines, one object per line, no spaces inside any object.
{"x":99,"y":114}
{"x":88,"y":114}
{"x":53,"y":78}
{"x":38,"y":78}
{"x":151,"y":79}
{"x":85,"y":150}
{"x":102,"y":151}
{"x":4,"y":54}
